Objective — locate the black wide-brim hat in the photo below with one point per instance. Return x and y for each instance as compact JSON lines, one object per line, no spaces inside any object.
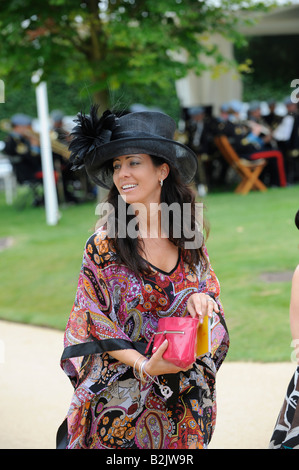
{"x":96,"y":141}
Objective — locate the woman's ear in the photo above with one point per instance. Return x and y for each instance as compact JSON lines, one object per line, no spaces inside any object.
{"x":164,"y":170}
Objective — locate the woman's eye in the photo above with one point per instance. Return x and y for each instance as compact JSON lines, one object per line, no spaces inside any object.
{"x":117,"y":166}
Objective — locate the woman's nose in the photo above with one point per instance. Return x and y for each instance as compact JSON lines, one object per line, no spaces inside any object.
{"x":124,"y":170}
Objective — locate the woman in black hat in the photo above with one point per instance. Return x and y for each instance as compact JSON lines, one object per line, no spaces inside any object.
{"x":286,"y":431}
{"x":140,"y":265}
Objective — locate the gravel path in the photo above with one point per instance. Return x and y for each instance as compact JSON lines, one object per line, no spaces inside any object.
{"x":35,"y":393}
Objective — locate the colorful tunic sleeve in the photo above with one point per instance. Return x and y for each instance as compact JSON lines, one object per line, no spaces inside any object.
{"x":90,"y":330}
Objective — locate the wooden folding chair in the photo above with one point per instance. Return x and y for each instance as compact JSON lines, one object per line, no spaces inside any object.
{"x":248,"y":170}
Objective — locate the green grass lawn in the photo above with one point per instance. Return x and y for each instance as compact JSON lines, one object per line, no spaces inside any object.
{"x":249,"y":236}
{"x":252,"y":235}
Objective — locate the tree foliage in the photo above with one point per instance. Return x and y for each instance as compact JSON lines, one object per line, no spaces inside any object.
{"x":110,"y":43}
{"x":274,"y":64}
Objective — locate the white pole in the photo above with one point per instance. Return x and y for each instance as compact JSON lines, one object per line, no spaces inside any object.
{"x":51,"y":202}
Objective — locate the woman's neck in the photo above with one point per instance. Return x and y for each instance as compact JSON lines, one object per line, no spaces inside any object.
{"x":149,"y":220}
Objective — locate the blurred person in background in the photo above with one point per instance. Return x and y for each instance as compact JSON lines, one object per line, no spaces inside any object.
{"x":252,"y":139}
{"x":23,"y":148}
{"x":287,"y":137}
{"x":272,"y":119}
{"x":58,"y":127}
{"x":75,"y":185}
{"x":197,"y":140}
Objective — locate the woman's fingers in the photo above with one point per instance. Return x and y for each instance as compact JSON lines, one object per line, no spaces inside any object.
{"x":161,"y":349}
{"x":200,"y":305}
{"x":191,"y":308}
{"x":157,"y":365}
{"x":212,"y":306}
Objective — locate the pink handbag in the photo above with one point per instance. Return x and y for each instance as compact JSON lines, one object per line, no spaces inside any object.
{"x":181,"y":333}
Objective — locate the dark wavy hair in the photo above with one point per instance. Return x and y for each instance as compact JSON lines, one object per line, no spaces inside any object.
{"x":129,"y":250}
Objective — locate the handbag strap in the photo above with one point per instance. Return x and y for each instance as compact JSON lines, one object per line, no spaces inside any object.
{"x":149,"y":344}
{"x":222,"y":321}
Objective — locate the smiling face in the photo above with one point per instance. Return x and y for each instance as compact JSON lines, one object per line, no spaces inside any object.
{"x":138,"y":179}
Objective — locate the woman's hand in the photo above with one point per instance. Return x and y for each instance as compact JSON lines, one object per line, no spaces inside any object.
{"x":199,"y":305}
{"x":156,"y":365}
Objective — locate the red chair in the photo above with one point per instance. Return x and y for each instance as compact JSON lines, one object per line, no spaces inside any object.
{"x":280,"y":163}
{"x":249,"y":171}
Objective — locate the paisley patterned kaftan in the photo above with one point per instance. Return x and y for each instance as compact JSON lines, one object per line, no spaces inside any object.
{"x":115,"y":309}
